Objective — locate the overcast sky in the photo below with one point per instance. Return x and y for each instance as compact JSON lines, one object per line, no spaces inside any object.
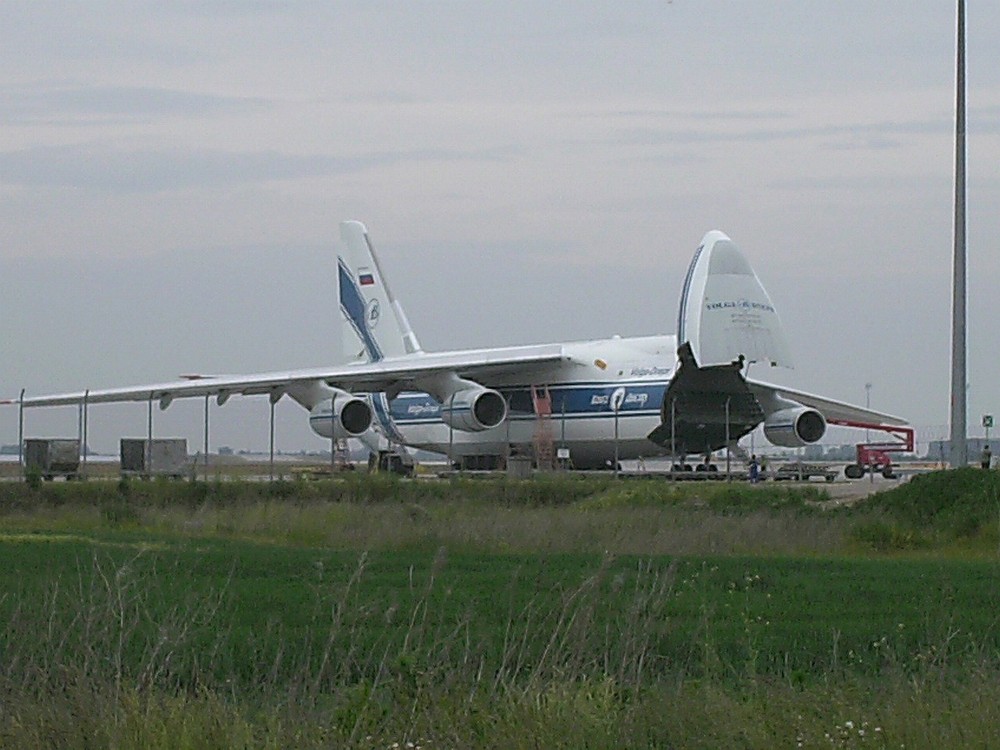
{"x":173,"y":174}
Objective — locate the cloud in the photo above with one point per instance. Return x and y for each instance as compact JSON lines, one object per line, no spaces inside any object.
{"x":109,"y":169}
{"x":726,"y":115}
{"x":879,"y":132}
{"x":63,"y":104}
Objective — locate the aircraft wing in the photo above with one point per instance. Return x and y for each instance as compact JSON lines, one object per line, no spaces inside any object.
{"x":830,"y":409}
{"x":481,"y":365}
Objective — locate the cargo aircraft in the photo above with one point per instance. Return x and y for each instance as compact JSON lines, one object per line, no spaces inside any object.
{"x":600,"y":401}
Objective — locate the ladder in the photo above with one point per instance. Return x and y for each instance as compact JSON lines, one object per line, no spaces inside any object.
{"x":341,"y":454}
{"x":541,"y":400}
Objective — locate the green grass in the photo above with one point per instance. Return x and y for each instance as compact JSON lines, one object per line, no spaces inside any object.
{"x":492,"y":614}
{"x":744,"y":616}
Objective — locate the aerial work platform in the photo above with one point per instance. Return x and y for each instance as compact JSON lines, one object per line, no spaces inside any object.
{"x":874,"y":457}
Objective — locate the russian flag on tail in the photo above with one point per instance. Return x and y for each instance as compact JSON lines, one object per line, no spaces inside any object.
{"x":365,"y":277}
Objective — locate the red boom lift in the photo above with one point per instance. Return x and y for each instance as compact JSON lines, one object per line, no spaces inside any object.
{"x":874,"y":457}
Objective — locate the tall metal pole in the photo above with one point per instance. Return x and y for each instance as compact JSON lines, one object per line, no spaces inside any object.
{"x":86,"y":426}
{"x":868,"y":405}
{"x":728,"y":477}
{"x":506,"y":422}
{"x":673,"y":444}
{"x":959,"y":455}
{"x":206,"y":437}
{"x":562,"y":425}
{"x":149,"y":438}
{"x":616,"y":404}
{"x":270,"y":462}
{"x":20,"y":432}
{"x":451,"y":433}
{"x":333,"y":433}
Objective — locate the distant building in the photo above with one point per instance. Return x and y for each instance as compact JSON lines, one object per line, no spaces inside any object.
{"x":940,"y":450}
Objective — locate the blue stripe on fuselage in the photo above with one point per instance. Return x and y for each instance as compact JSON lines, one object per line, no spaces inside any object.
{"x":572,"y":400}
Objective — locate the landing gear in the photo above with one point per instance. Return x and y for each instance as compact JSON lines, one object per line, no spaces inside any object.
{"x":391,"y":462}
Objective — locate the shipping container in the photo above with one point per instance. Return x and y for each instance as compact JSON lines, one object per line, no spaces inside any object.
{"x":157,"y":457}
{"x":52,"y":457}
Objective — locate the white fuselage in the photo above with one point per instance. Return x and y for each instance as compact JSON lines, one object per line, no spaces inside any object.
{"x":632,"y":372}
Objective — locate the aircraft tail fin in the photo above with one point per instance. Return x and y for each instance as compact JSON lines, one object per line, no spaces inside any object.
{"x":725,"y":312}
{"x":371,"y":315}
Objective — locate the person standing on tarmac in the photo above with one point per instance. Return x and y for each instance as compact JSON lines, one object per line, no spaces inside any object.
{"x":987,"y":458}
{"x":754,"y":469}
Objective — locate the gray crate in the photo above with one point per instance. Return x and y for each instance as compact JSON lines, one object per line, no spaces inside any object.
{"x":519,"y":467}
{"x":52,"y":456}
{"x":159,"y":457}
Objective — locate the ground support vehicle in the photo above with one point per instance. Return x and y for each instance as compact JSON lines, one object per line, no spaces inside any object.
{"x":798,"y":470}
{"x":874,"y":457}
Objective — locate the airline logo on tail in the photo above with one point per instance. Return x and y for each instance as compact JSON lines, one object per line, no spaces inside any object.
{"x":357,"y":312}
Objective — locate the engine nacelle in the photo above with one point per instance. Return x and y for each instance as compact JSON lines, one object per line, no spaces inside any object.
{"x":794,"y":427}
{"x":474,"y":409}
{"x":352,"y":416}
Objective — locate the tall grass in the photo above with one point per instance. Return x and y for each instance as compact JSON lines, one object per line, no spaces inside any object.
{"x":373,"y":613}
{"x":128,"y":655}
{"x":893,"y":714}
{"x":542,"y":491}
{"x":959,"y":513}
{"x":550,"y":515}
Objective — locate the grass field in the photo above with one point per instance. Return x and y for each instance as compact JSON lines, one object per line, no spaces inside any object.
{"x":562,"y":613}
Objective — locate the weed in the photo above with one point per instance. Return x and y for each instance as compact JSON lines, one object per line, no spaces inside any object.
{"x":882,"y":536}
{"x":119,"y":512}
{"x":33,"y":478}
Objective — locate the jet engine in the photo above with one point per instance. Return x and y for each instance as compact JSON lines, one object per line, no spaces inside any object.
{"x":794,"y":427}
{"x":474,"y":409}
{"x":352,"y":416}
